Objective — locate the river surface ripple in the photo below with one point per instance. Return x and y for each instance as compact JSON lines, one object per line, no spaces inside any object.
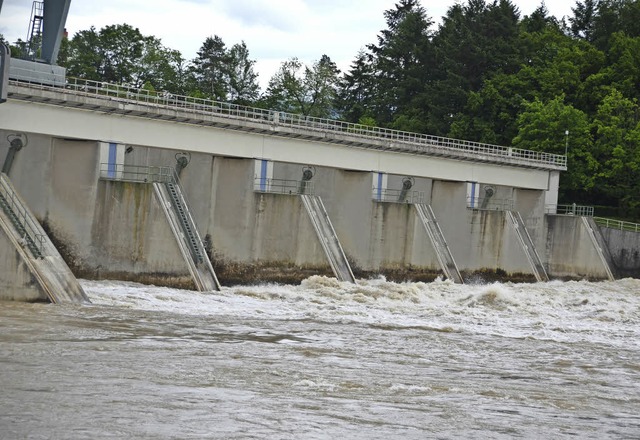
{"x":326,"y":360}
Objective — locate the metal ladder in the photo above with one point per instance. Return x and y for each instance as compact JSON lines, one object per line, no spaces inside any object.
{"x":186,"y":222}
{"x":445,"y":258}
{"x":34,"y":39}
{"x":21,"y":227}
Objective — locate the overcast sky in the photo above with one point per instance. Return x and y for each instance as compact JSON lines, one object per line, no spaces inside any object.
{"x":274,"y":30}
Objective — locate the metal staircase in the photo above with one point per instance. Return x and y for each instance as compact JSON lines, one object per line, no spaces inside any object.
{"x":328,"y":238}
{"x":186,"y":222}
{"x":18,"y":217}
{"x":527,"y":245}
{"x":34,"y":248}
{"x":184,"y":229}
{"x":445,"y":258}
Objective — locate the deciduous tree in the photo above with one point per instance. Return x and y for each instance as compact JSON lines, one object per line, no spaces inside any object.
{"x":310,"y":91}
{"x":543,"y":127}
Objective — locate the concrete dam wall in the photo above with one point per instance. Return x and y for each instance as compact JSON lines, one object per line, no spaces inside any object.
{"x":255,"y":227}
{"x":624,"y":247}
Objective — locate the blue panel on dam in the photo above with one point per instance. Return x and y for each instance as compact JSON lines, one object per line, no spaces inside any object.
{"x":263,"y":175}
{"x":111,"y":169}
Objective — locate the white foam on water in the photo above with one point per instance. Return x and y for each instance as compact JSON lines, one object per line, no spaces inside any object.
{"x":607,"y":312}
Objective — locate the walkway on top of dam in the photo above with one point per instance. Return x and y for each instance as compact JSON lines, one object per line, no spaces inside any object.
{"x":124,"y":100}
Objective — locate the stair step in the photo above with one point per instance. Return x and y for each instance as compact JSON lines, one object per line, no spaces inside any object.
{"x":20,"y":228}
{"x":185,"y":222}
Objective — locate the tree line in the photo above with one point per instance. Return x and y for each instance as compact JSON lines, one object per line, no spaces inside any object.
{"x":486,"y":73}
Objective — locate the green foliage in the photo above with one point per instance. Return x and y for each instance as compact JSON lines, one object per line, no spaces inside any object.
{"x":583,"y":20}
{"x":476,"y":41}
{"x":224,"y":74}
{"x":86,"y":59}
{"x":210,"y":68}
{"x":556,"y":127}
{"x":121,"y":54}
{"x":623,"y":71}
{"x":243,"y":81}
{"x":16,"y":48}
{"x":310,"y":91}
{"x":121,"y":48}
{"x":400,"y":73}
{"x":357,"y":90}
{"x":616,"y":132}
{"x":160,"y":67}
{"x":367,"y":120}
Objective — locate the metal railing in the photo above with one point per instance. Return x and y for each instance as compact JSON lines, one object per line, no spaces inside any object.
{"x":490,"y":204}
{"x":583,"y":211}
{"x":146,"y":174}
{"x":16,"y":212}
{"x":395,"y":139}
{"x":617,"y":224}
{"x":141,"y":174}
{"x":393,"y":196}
{"x":137,"y":173}
{"x":283,"y":186}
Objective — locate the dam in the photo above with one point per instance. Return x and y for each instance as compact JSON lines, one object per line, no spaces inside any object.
{"x":127,"y":184}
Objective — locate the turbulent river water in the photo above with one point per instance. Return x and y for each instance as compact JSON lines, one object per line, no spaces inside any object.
{"x":326,"y":360}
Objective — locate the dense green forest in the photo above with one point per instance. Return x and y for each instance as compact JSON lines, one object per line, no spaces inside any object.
{"x":486,"y":73}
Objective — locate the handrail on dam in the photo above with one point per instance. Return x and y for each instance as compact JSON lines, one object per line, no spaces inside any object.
{"x":140,"y":174}
{"x":283,"y":186}
{"x":583,"y":211}
{"x":397,"y":196}
{"x":175,"y":206}
{"x":395,"y":140}
{"x":617,"y":224}
{"x":490,"y":204}
{"x":588,"y":211}
{"x":137,"y":173}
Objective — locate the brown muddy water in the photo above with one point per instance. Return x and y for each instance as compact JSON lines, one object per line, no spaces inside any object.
{"x":326,"y":360}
